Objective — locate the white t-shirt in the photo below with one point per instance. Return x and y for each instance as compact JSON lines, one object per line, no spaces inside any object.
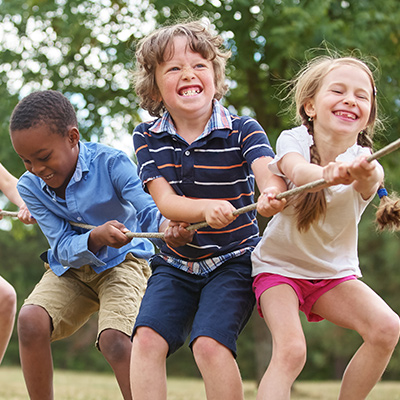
{"x":329,"y":248}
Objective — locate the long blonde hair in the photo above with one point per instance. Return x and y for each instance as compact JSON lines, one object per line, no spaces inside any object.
{"x":310,"y":207}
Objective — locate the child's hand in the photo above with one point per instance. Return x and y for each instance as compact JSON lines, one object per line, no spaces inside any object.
{"x":218,"y":213}
{"x":367,"y":176}
{"x":267,"y":204}
{"x":361,"y":169}
{"x":177,"y":235}
{"x":336,"y":173}
{"x":112,"y":234}
{"x":25,"y":216}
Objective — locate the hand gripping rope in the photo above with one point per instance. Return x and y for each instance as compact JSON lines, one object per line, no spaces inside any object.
{"x":312,"y":185}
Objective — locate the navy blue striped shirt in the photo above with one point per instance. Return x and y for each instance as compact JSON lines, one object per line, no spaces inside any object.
{"x":217,"y":165}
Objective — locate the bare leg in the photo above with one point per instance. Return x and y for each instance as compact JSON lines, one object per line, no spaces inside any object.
{"x":34,"y":330}
{"x":116,"y":348}
{"x":218,"y":368}
{"x":280,"y":307}
{"x":353,"y":305}
{"x":148,"y":365}
{"x":8,"y":306}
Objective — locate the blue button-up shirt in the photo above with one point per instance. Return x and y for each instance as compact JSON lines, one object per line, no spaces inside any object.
{"x":104,"y":187}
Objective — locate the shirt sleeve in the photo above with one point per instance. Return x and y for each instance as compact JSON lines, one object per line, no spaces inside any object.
{"x":147,"y":168}
{"x":296,"y":140}
{"x":254,"y":141}
{"x":69,"y":247}
{"x":128,"y":184}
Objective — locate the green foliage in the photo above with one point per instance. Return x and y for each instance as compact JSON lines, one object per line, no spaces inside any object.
{"x":84,"y":49}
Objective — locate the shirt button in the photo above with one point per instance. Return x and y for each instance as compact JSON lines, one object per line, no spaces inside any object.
{"x":79,"y":219}
{"x":187,"y":153}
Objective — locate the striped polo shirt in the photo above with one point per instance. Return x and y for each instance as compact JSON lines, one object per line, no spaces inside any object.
{"x":217,"y":165}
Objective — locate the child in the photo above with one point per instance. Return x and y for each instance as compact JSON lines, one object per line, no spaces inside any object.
{"x":86,"y":271}
{"x":307,"y":258}
{"x":8,"y":297}
{"x":198,"y":162}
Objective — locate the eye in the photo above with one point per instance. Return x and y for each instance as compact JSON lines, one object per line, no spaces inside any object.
{"x":200,"y":65}
{"x":45,"y":158}
{"x":337,"y":91}
{"x":172,"y":69}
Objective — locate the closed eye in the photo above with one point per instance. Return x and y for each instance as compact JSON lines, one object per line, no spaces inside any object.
{"x":44,"y":158}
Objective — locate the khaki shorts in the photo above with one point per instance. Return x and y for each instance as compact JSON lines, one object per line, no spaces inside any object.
{"x":70,"y":299}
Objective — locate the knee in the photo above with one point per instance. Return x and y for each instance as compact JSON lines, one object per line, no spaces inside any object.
{"x":114,"y":345}
{"x":208,"y":350}
{"x":34,"y":324}
{"x":291,"y":354}
{"x":149,"y":342}
{"x":385,"y":333}
{"x":8,"y":302}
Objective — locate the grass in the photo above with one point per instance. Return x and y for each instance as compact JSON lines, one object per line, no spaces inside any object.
{"x":71,"y":385}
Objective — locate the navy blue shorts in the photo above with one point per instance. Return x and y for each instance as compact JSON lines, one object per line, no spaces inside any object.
{"x":178,"y":304}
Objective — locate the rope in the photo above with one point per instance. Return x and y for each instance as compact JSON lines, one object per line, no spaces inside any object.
{"x":308,"y":186}
{"x":129,"y":234}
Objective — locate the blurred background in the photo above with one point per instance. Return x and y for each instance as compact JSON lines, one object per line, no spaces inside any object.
{"x":84,"y":48}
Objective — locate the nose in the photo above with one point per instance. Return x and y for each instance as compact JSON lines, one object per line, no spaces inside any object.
{"x":37,"y":168}
{"x":187,"y":73}
{"x":350,"y":100}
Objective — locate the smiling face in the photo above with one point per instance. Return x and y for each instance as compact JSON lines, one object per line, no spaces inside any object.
{"x":185,"y":81}
{"x":48,"y":155}
{"x":342,"y":105}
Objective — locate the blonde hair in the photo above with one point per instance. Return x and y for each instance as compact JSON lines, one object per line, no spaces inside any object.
{"x":310,"y":207}
{"x":154,"y":49}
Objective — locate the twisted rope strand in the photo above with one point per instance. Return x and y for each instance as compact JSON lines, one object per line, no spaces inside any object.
{"x":308,"y":186}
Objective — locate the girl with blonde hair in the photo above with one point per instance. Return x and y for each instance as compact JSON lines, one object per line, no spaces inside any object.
{"x":307,"y":259}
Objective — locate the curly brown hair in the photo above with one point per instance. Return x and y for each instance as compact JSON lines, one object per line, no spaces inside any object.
{"x":152,"y":51}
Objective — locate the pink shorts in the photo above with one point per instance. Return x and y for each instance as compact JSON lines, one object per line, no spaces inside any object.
{"x":308,"y":291}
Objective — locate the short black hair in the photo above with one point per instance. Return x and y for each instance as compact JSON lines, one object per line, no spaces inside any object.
{"x":44,"y":107}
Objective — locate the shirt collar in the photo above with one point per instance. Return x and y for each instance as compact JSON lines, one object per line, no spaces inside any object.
{"x":220,"y":119}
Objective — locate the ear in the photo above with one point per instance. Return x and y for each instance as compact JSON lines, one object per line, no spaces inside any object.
{"x":309,"y":108}
{"x":156,"y":95}
{"x":73,"y":135}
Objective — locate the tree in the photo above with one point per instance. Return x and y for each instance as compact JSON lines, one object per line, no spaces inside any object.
{"x":84,"y":48}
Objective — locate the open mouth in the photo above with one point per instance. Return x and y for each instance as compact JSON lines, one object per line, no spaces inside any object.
{"x":345,"y":114}
{"x":188,"y":92}
{"x":47,"y":177}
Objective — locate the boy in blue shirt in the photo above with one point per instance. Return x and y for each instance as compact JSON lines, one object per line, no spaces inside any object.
{"x":198,"y":162}
{"x":86,"y":270}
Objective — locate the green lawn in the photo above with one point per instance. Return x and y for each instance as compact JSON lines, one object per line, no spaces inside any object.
{"x":94,"y":386}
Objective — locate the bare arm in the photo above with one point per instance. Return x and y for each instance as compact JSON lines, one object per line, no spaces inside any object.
{"x":365,"y":176}
{"x":8,"y":185}
{"x":298,"y":170}
{"x":217,"y":213}
{"x":269,"y":185}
